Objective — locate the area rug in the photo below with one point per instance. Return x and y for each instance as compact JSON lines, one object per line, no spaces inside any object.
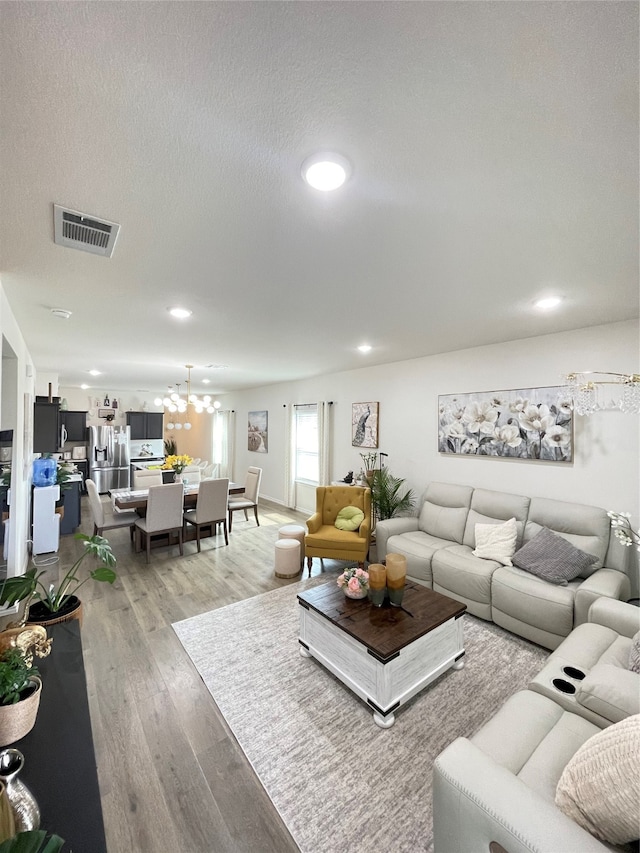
{"x":338,"y":781}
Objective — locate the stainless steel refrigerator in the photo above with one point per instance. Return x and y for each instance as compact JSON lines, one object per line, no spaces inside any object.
{"x":109,"y":457}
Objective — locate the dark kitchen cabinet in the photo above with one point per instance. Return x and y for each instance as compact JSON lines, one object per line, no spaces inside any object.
{"x":46,"y":432}
{"x":76,"y":425}
{"x":145,"y":424}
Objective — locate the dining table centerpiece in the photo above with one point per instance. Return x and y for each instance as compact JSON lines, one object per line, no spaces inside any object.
{"x":177,"y":463}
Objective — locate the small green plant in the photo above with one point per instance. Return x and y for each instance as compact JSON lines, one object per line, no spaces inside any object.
{"x":170,"y":447}
{"x":55,"y":596}
{"x":63,"y":475}
{"x":370,"y":460}
{"x":15,"y":675}
{"x":32,"y":841}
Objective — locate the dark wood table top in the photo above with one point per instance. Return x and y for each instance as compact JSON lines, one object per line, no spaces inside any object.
{"x":137,"y":498}
{"x":59,"y":759}
{"x":383,"y":630}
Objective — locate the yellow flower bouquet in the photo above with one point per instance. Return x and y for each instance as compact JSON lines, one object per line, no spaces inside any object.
{"x":177,"y":463}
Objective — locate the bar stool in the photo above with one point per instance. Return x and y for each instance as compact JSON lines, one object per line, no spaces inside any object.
{"x":294,"y":531}
{"x":287,"y":559}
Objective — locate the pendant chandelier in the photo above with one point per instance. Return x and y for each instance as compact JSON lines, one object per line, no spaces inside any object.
{"x":589,"y":395}
{"x":176,"y":404}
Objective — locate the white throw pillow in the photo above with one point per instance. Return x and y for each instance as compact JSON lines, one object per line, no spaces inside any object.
{"x":497,"y":541}
{"x":599,"y":786}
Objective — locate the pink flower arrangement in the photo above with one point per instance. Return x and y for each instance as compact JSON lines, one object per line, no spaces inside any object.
{"x":354,"y":579}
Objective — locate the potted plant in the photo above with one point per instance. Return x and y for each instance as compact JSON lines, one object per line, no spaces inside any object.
{"x":20,"y":687}
{"x":63,"y":475}
{"x":387,"y":499}
{"x":59,"y":602}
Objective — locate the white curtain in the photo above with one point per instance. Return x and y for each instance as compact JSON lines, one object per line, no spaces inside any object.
{"x":223,"y":443}
{"x":289,"y":458}
{"x":324,"y":442}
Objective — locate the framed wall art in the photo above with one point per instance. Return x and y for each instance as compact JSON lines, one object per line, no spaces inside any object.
{"x":258,"y":432}
{"x":531,"y":423}
{"x":364,"y":424}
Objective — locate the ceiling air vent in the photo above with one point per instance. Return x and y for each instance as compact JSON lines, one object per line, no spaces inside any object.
{"x":80,"y":231}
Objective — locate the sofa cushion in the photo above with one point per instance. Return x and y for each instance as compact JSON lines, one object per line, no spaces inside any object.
{"x":533,"y":738}
{"x":610,"y":691}
{"x":586,"y":527}
{"x":456,"y":570}
{"x":531,"y":600}
{"x":599,"y":786}
{"x":552,"y":558}
{"x":634,"y":654}
{"x":489,"y":507}
{"x":418,"y":548}
{"x":445,"y":509}
{"x":349,"y":518}
{"x":496,"y":541}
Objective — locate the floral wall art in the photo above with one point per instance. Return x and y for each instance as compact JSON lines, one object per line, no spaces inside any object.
{"x":533,"y":423}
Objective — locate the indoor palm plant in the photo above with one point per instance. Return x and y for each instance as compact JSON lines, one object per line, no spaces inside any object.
{"x":56,"y":602}
{"x":387,"y":497}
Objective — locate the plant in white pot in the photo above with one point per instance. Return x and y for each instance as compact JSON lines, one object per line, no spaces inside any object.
{"x":20,"y":687}
{"x":60,"y":602}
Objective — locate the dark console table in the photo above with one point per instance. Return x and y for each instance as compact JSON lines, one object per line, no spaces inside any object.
{"x":59,"y":759}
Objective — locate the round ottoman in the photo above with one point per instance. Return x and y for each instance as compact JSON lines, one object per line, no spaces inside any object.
{"x":287,"y":558}
{"x":294,"y":531}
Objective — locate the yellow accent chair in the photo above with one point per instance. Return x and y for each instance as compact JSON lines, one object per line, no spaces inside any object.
{"x":324,"y":539}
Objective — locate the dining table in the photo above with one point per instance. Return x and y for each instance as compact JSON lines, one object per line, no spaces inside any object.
{"x":137,"y":498}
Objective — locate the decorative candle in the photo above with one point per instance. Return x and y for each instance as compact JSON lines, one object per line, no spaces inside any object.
{"x":377,"y":583}
{"x":396,"y":577}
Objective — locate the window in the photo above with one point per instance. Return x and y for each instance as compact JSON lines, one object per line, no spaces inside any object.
{"x":306,"y":443}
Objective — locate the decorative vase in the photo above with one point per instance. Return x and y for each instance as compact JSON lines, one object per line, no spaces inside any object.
{"x":18,"y":719}
{"x":7,"y":821}
{"x":377,"y":583}
{"x":396,"y":577}
{"x":359,"y":593}
{"x":26,"y":813}
{"x":177,"y":478}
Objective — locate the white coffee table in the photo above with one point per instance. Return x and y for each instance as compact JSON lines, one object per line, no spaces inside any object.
{"x":385,"y":655}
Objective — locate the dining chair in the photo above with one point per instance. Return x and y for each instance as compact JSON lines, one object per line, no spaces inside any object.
{"x":164,"y":515}
{"x":248,"y":498}
{"x":211,"y":508}
{"x":104,"y":518}
{"x":210,"y":471}
{"x":192,"y":473}
{"x":145,"y":477}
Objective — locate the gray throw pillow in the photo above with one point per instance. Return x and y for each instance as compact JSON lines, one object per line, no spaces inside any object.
{"x":552,"y":558}
{"x":634,"y":654}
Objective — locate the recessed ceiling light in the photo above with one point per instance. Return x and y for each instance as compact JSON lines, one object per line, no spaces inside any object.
{"x":180,"y":313}
{"x":326,"y":172}
{"x":84,"y":387}
{"x":547,"y":303}
{"x":365,"y":348}
{"x":206,"y":381}
{"x":63,"y":313}
{"x":95,"y":372}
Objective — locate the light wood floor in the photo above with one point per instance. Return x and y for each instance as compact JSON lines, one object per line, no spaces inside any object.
{"x":172,"y":776}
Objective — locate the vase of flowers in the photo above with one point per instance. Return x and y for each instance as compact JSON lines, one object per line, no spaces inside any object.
{"x":177,"y":464}
{"x":354,"y":582}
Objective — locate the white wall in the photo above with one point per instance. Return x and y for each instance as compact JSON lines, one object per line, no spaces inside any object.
{"x":21,"y":406}
{"x":606,"y":467}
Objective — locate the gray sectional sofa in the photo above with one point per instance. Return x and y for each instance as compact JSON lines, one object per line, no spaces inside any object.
{"x":497,"y":790}
{"x":439,"y":542}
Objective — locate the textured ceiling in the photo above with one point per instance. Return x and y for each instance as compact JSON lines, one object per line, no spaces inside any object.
{"x":495,"y":160}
